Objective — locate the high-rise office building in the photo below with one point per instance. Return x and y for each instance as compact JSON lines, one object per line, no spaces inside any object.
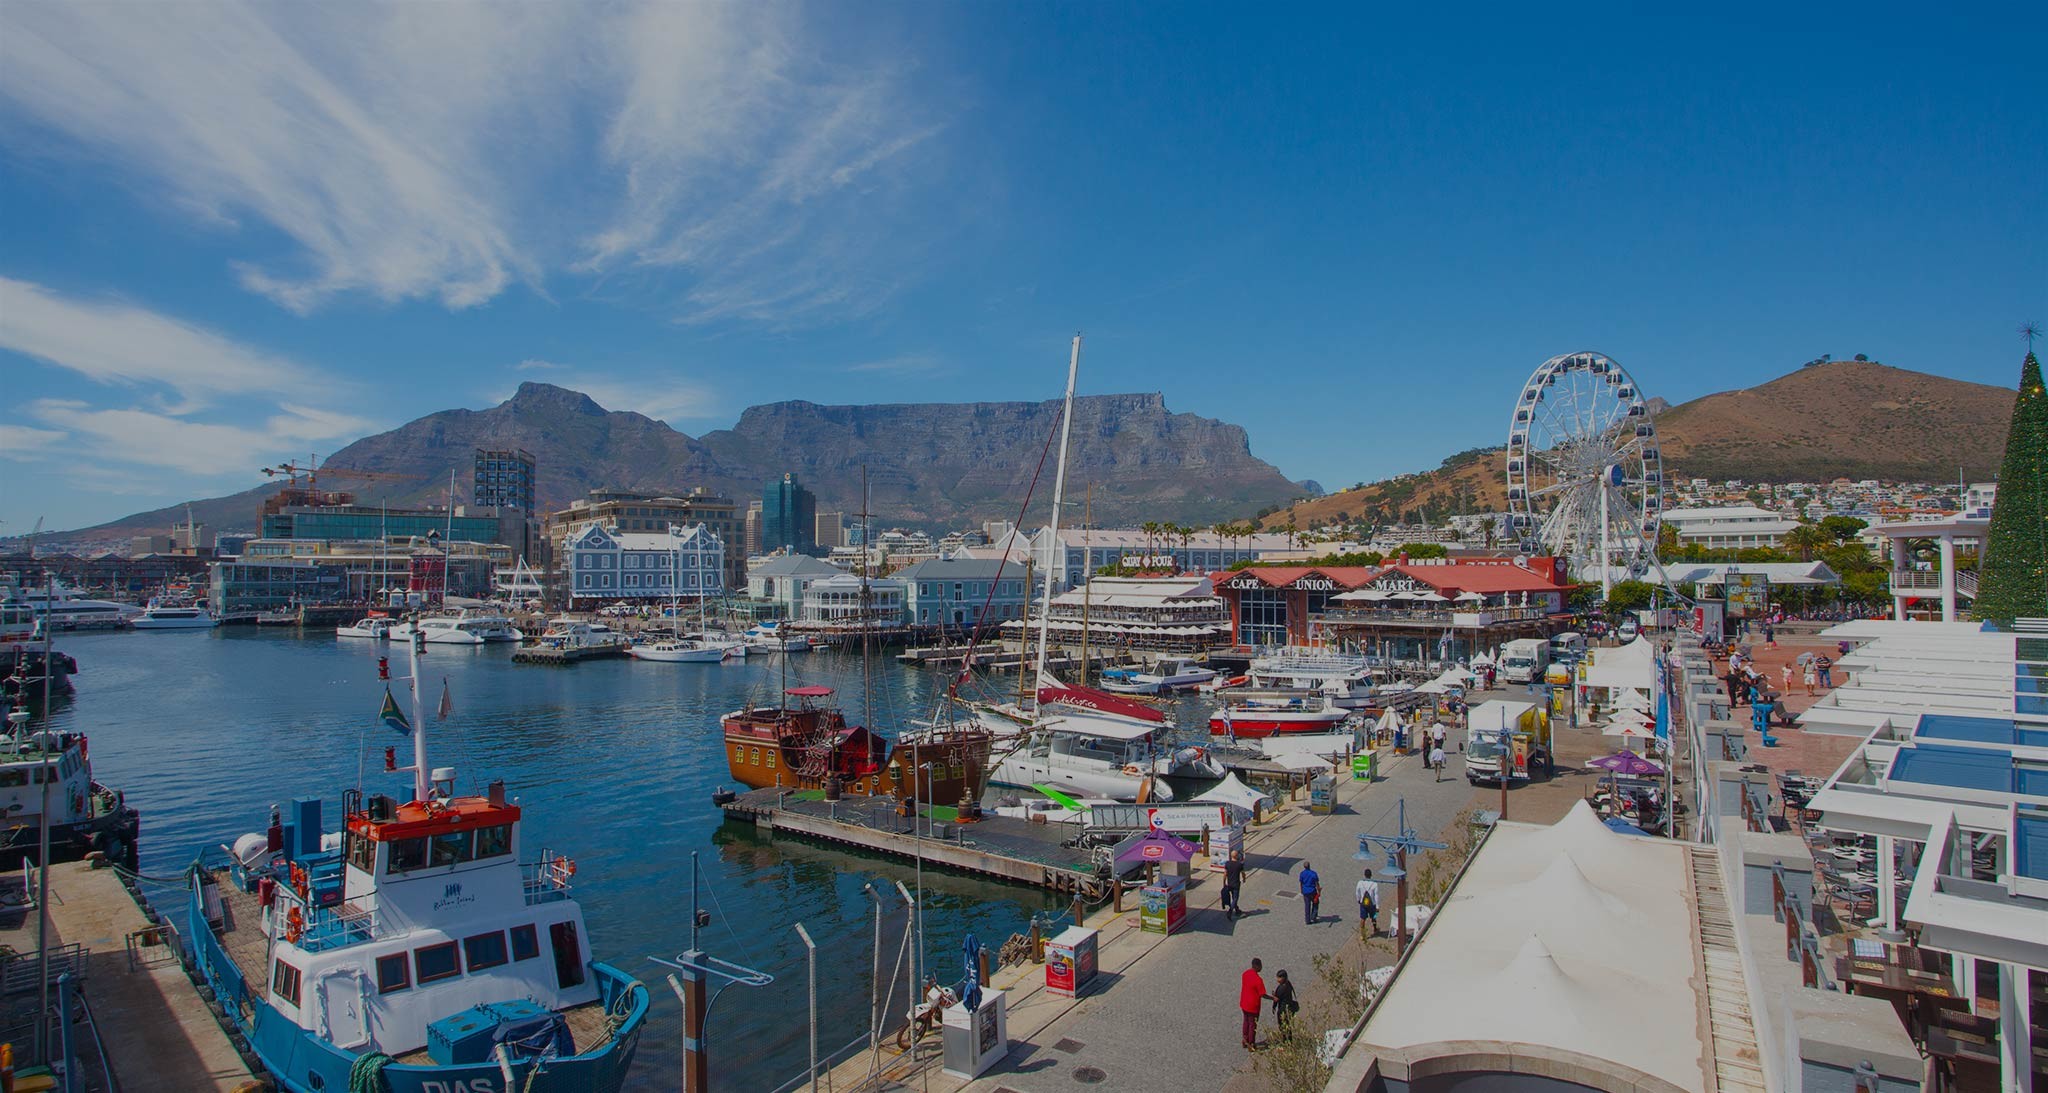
{"x":753,"y":529}
{"x":789,"y":517}
{"x":504,"y":478}
{"x":831,"y":531}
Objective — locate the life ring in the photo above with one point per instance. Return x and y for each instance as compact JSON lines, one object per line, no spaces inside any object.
{"x":294,"y":925}
{"x":1132,"y":770}
{"x":77,"y":803}
{"x":564,"y":868}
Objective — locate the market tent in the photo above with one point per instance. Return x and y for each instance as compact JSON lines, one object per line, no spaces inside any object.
{"x":1632,"y":666}
{"x":1232,"y":791}
{"x":1481,"y":658}
{"x":1302,"y":760}
{"x":1450,"y":680}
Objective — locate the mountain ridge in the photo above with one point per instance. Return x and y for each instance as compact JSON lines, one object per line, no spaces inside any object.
{"x":1827,"y":420}
{"x":926,"y":463}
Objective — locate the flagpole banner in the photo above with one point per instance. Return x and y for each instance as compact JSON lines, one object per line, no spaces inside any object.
{"x":393,"y":716}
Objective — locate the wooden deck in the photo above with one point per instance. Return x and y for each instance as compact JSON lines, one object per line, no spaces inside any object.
{"x":997,"y":846}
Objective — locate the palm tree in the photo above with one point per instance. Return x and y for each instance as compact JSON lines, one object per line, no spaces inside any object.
{"x":1806,"y":538}
{"x":1151,"y":528}
{"x":1293,"y":532}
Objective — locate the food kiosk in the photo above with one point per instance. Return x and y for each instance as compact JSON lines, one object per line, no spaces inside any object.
{"x":1163,"y":905}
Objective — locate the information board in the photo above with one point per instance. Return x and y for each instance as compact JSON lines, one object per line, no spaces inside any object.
{"x":1748,"y":594}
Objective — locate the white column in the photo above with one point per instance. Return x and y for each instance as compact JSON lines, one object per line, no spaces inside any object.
{"x":2015,"y":1046}
{"x":1948,"y":578}
{"x":1899,"y":565}
{"x":1887,"y":876}
{"x":1966,"y":978}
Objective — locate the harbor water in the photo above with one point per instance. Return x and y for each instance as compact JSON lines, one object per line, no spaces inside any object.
{"x":613,"y":762}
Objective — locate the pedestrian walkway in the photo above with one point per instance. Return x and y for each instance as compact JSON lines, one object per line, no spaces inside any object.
{"x":1164,"y":1017}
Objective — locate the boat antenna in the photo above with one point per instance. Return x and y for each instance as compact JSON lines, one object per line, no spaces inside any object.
{"x":1059,"y":490}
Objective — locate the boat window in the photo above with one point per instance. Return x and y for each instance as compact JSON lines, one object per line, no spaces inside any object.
{"x":484,"y":950}
{"x":525,"y":942}
{"x":492,"y":842}
{"x":285,"y":983}
{"x":1041,"y":746}
{"x":568,"y":955}
{"x":754,"y":755}
{"x":771,"y":758}
{"x":15,"y":776}
{"x":407,"y":855}
{"x":450,"y":848}
{"x":393,"y":973}
{"x":739,"y":754}
{"x":362,"y":853}
{"x":436,"y":962}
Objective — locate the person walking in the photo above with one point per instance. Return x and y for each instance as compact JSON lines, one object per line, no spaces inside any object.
{"x":1810,"y":677}
{"x":1233,"y":884}
{"x":1311,"y":895}
{"x":1369,"y":905}
{"x":1251,"y":996}
{"x":1734,"y":681}
{"x":1826,"y":665}
{"x":1284,"y":1005}
{"x":1770,"y":636}
{"x":1436,"y":759}
{"x":1785,"y":674}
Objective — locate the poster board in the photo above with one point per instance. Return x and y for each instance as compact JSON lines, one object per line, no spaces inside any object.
{"x":1748,"y":594}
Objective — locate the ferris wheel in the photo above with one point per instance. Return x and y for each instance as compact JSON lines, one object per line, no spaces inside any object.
{"x":1585,"y":480}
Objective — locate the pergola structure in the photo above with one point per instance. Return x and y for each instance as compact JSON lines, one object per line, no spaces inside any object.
{"x":1941,"y":583}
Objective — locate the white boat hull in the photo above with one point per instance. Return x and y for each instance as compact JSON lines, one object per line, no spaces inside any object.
{"x":372,"y":633}
{"x":676,"y":656}
{"x":201,"y":622}
{"x":1022,"y":771}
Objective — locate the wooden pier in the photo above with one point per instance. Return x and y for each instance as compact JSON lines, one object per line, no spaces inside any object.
{"x":561,"y":658}
{"x":157,"y":1030}
{"x":996,"y":846}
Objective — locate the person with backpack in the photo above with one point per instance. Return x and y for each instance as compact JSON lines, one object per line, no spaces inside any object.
{"x":1311,"y":896}
{"x":1369,"y":905}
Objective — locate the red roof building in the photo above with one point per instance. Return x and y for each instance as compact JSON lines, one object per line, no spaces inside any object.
{"x":1272,"y":605}
{"x":1426,"y":610}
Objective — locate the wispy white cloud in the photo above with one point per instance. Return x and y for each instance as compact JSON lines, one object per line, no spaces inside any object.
{"x":535,"y":364}
{"x":24,"y":442}
{"x":149,"y":438}
{"x":907,"y":364}
{"x":117,"y":343}
{"x":743,"y":164}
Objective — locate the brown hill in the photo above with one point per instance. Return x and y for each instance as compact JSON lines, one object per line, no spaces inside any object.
{"x":1838,"y":419}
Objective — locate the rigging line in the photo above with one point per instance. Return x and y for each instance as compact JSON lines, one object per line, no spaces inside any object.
{"x":728,"y":922}
{"x":1002,"y":562}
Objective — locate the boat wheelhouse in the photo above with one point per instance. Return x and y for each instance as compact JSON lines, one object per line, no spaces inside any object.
{"x":85,"y":816}
{"x":375,"y":626}
{"x":467,"y":628}
{"x":809,"y":745}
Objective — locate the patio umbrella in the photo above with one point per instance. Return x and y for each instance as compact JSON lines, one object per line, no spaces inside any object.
{"x":1158,"y":846}
{"x":1803,"y":658}
{"x":1625,"y":762}
{"x":1470,"y":597}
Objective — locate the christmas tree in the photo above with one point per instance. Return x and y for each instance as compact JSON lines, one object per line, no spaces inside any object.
{"x":2014,"y":581}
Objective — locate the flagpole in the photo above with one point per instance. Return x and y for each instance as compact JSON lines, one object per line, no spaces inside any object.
{"x":419,"y":722}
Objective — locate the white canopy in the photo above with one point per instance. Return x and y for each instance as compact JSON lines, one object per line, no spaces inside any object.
{"x":1470,"y":597}
{"x":1389,"y":722}
{"x":1601,"y":928}
{"x":1361,"y":594}
{"x":1232,"y":791}
{"x":1633,"y":665}
{"x":1455,"y":677}
{"x":1302,"y":760}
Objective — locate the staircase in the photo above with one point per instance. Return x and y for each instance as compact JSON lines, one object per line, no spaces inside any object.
{"x":1738,"y":1065}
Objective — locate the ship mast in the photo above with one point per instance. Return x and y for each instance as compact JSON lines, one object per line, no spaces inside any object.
{"x":1059,"y":490}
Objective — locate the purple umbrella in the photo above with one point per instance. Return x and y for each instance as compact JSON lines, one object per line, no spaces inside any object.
{"x":1625,"y":762}
{"x":1158,"y":846}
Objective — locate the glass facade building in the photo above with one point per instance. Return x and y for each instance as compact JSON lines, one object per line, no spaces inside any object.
{"x":504,"y":478}
{"x":789,"y":517}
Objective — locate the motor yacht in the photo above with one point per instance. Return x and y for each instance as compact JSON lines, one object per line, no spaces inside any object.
{"x":678,"y":651}
{"x":375,"y":627}
{"x":568,"y":633}
{"x":1168,"y":674}
{"x":1088,"y":743}
{"x":1251,"y":714}
{"x":467,"y":628}
{"x":1344,"y":678}
{"x":159,"y":617}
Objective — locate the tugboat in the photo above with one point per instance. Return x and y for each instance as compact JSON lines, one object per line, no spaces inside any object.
{"x":413,"y":951}
{"x":809,"y":745}
{"x":84,"y":815}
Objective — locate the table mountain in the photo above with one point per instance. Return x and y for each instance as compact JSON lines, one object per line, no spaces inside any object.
{"x":927,"y":463}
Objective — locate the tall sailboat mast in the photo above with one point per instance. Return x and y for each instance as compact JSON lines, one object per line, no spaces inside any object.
{"x":420,"y":781}
{"x":1059,"y":491}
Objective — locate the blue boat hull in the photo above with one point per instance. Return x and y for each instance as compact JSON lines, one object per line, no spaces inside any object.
{"x":302,"y":1063}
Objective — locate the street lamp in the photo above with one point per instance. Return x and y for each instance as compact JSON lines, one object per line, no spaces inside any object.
{"x":1507,"y":756}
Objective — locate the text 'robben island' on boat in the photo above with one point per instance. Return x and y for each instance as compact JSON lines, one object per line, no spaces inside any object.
{"x":412,"y":951}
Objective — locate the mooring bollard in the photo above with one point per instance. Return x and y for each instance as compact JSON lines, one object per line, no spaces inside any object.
{"x":1205,"y":838}
{"x":1037,"y":942}
{"x":1080,"y":909}
{"x":1116,"y":895}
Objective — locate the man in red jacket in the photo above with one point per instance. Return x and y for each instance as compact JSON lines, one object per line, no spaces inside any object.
{"x":1250,"y":995}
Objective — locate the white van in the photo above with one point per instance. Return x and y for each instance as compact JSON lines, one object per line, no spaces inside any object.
{"x":1570,"y":645}
{"x":1630,"y":629}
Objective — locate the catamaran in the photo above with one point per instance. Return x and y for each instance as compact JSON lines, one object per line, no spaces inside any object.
{"x":413,"y":951}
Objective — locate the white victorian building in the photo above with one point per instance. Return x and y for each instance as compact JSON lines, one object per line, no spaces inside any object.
{"x":604,"y":564}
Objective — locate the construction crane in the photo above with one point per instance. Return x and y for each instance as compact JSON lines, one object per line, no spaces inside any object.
{"x":292,"y":471}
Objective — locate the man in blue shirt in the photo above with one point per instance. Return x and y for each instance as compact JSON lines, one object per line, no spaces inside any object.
{"x":1311,"y":895}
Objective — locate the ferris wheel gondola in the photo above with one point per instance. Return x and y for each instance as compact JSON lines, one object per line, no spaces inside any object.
{"x":1585,"y":477}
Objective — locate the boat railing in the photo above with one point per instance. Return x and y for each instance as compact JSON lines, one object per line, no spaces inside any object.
{"x":548,"y":880}
{"x":333,"y":926}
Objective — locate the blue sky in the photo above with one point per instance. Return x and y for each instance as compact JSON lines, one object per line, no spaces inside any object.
{"x":230,"y":233}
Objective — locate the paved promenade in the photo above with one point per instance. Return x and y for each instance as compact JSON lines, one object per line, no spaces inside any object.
{"x":1162,"y":1014}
